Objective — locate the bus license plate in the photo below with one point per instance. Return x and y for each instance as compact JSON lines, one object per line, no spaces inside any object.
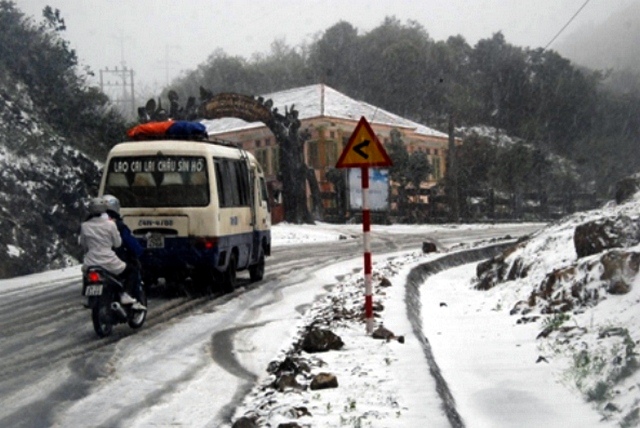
{"x":93,"y":290}
{"x":155,"y":240}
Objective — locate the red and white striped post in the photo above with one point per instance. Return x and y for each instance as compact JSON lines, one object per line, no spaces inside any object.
{"x":366,"y":237}
{"x":364,"y":151}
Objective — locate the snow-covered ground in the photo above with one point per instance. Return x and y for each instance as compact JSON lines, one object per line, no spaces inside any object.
{"x":497,"y":368}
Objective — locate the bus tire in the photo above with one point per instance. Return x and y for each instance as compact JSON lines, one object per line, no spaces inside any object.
{"x":256,"y":272}
{"x":203,"y":279}
{"x":229,"y":275}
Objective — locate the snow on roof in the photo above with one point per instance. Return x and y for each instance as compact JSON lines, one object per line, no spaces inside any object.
{"x":322,"y":101}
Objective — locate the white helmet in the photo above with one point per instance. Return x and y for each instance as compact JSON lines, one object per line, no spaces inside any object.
{"x":97,"y":206}
{"x":112,"y":203}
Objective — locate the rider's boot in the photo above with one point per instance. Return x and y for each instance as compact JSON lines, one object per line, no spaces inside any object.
{"x":125,"y":299}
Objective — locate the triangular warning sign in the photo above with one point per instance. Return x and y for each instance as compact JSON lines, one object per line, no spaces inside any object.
{"x":363,"y":149}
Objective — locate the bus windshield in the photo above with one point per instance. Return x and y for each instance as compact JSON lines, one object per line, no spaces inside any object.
{"x":158,"y":181}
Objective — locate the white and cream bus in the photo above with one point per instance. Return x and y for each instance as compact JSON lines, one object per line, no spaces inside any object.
{"x":199,"y":208}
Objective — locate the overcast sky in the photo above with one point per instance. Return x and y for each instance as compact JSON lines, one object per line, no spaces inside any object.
{"x":160,"y":38}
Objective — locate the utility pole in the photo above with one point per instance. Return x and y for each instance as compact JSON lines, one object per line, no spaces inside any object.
{"x":452,"y":171}
{"x":120,"y":90}
{"x":122,"y":86}
{"x":168,"y":63}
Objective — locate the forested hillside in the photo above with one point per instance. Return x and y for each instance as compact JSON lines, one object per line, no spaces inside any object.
{"x":54,"y":131}
{"x":573,"y":135}
{"x":552,"y":105}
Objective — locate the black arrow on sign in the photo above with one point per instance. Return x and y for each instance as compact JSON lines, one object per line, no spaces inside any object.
{"x":358,"y":148}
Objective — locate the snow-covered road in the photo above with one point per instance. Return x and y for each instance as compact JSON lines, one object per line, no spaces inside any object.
{"x":196,"y":358}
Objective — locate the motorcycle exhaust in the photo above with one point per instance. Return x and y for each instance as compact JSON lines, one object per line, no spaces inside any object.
{"x":119,"y":310}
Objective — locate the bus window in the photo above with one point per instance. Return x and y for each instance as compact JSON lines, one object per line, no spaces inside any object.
{"x":143,"y":179}
{"x":232,"y":177}
{"x":151,"y":181}
{"x":220,"y":180}
{"x":172,"y":179}
{"x":117,"y":180}
{"x":264,"y":193}
{"x":198,"y":178}
{"x":242,"y":178}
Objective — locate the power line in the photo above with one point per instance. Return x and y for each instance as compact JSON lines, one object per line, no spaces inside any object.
{"x":125,"y":84}
{"x":567,"y":24}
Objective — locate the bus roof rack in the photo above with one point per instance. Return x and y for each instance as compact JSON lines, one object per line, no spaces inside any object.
{"x":168,"y":129}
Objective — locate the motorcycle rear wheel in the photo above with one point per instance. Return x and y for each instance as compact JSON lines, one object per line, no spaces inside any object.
{"x":102,"y":318}
{"x":137,"y":318}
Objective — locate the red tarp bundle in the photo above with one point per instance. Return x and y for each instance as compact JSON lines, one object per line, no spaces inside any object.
{"x":169,"y":128}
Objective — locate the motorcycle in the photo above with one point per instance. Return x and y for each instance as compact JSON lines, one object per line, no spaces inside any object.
{"x":103,"y":290}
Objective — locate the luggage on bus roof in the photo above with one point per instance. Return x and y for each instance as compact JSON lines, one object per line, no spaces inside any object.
{"x":169,"y":128}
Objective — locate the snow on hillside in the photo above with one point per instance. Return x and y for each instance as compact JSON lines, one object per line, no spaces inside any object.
{"x":507,"y":363}
{"x":43,"y":182}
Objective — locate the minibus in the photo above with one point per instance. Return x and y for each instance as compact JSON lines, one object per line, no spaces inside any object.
{"x":200,"y":209}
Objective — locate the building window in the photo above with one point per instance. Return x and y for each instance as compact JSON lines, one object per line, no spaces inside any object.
{"x":332,"y":135}
{"x":275,"y":160}
{"x":331,"y":153}
{"x":257,"y":143}
{"x":261,"y":156}
{"x":437,"y":172}
{"x":313,"y":157}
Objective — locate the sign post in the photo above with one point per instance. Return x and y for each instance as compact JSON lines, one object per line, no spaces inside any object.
{"x":364,"y":151}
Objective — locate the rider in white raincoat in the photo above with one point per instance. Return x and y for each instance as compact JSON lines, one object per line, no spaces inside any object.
{"x":98,"y":237}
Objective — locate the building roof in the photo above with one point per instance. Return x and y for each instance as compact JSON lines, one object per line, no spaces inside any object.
{"x":320,"y":100}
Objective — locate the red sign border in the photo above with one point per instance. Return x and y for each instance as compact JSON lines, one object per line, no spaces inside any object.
{"x":348,"y":148}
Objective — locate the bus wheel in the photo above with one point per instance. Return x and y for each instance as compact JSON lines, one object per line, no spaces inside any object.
{"x":203,"y":279}
{"x":256,"y":272}
{"x":229,"y":276}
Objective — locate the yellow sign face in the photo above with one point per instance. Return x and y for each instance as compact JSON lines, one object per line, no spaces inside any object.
{"x":363,"y":149}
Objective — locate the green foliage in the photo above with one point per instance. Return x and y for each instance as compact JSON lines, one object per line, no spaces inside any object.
{"x":42,"y":59}
{"x":535,"y":94}
{"x":512,"y":168}
{"x":333,"y":58}
{"x":474,"y":159}
{"x":599,"y":371}
{"x":418,"y":169}
{"x":599,"y":393}
{"x":555,"y":321}
{"x":409,"y":169}
{"x":351,"y":405}
{"x":398,"y":152}
{"x":631,"y":419}
{"x":586,"y":365}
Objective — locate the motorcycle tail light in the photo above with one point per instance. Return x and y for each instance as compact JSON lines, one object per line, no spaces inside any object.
{"x":94,"y":277}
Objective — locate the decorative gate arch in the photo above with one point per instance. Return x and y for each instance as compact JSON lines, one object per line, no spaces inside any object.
{"x":285,"y":127}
